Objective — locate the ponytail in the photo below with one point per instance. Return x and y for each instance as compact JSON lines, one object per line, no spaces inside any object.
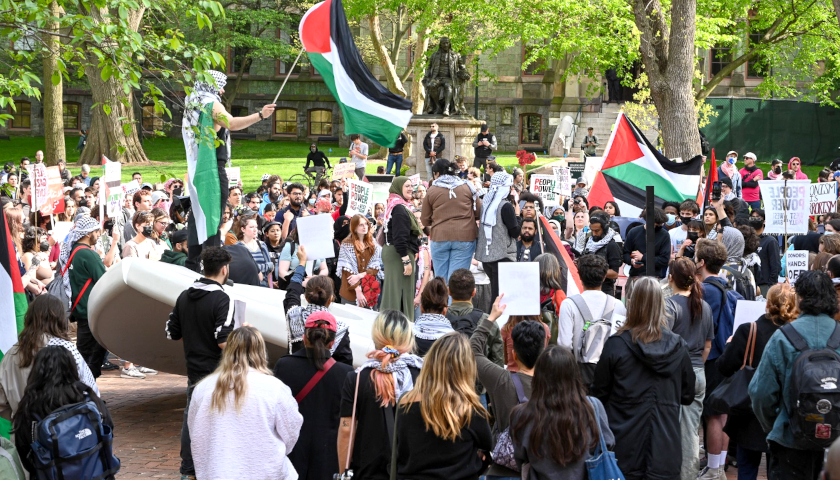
{"x":682,"y":270}
{"x":383,"y":383}
{"x":319,"y":338}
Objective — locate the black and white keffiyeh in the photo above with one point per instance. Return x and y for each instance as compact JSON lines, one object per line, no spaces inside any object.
{"x":403,"y":383}
{"x":499,"y":190}
{"x":593,"y":246}
{"x":84,"y":227}
{"x":296,"y":319}
{"x":431,"y":326}
{"x":85,"y":374}
{"x":202,"y":94}
{"x":347,"y":260}
{"x":451,"y":182}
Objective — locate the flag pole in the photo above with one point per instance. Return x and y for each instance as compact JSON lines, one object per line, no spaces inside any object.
{"x":287,"y":76}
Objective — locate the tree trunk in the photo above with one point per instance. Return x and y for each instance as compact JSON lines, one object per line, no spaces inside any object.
{"x":106,"y":136}
{"x":837,"y":10}
{"x":418,"y":92}
{"x":669,"y":62}
{"x":391,"y":76}
{"x":53,"y":100}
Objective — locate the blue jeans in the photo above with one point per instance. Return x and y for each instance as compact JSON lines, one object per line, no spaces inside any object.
{"x":394,"y":159}
{"x":450,"y":256}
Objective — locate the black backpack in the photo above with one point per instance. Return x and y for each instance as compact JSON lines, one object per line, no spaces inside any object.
{"x":814,"y":391}
{"x":741,"y":285}
{"x":466,"y":324}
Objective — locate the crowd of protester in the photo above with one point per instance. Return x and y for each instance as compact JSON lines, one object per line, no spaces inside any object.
{"x":642,"y":366}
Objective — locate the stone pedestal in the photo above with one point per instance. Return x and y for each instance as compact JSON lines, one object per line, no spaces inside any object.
{"x":459,"y":132}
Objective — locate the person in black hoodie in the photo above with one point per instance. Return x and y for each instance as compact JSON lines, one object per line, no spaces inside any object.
{"x":768,"y":252}
{"x":203,"y":319}
{"x":642,"y":378}
{"x":318,"y":159}
{"x":635,"y":246}
{"x":744,"y":428}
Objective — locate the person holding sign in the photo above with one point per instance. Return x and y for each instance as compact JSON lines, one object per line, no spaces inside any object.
{"x":450,"y":211}
{"x":402,"y":242}
{"x":359,"y":257}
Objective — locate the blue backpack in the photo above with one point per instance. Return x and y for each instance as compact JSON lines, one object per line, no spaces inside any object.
{"x":725,"y":317}
{"x":72,"y":443}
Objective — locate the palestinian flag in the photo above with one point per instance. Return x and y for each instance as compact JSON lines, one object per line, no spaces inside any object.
{"x":203,"y":184}
{"x":631,"y":163}
{"x":569,"y":280}
{"x":12,"y":300}
{"x":711,"y":178}
{"x":368,"y":107}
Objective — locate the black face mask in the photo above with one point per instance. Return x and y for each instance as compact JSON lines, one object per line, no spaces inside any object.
{"x":685,"y":220}
{"x":756,"y":222}
{"x":147,"y":231}
{"x":777,"y":169}
{"x":657,"y":228}
{"x":177,"y":191}
{"x":693,"y":236}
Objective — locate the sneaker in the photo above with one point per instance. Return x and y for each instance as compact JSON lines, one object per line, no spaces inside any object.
{"x":108,"y":366}
{"x":146,"y":371}
{"x":132,"y":372}
{"x":711,"y":474}
{"x":187,"y":477}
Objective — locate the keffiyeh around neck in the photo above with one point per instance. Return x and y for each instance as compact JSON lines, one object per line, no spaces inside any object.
{"x":84,"y":227}
{"x":398,"y":367}
{"x":593,"y":246}
{"x":452,"y":182}
{"x":431,"y":326}
{"x":500,"y":185}
{"x":297,"y":319}
{"x":203,"y":93}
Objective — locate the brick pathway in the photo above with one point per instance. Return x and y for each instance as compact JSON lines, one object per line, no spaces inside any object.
{"x":147,"y":416}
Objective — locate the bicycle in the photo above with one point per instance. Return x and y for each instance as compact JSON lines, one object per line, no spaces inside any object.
{"x":307,"y":178}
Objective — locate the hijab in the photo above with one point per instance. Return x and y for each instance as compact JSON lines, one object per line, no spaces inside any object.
{"x":341,"y":228}
{"x":733,"y":240}
{"x":395,"y":198}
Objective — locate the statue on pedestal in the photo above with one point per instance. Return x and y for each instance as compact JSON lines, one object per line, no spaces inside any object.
{"x":445,"y":80}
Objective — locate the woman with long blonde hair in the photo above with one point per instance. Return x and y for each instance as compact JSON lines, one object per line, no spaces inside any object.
{"x":239,"y":402}
{"x":744,"y":428}
{"x":358,"y":257}
{"x":642,"y":378}
{"x":441,"y":427}
{"x":390,"y":372}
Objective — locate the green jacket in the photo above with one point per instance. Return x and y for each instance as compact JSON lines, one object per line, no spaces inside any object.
{"x":10,"y":466}
{"x":770,"y":387}
{"x":173,"y":257}
{"x":495,"y":349}
{"x":86,"y":266}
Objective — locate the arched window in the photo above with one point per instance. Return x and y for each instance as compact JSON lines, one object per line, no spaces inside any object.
{"x":285,"y":121}
{"x":530,"y":129}
{"x":320,"y":123}
{"x":21,"y":115}
{"x":71,"y":113}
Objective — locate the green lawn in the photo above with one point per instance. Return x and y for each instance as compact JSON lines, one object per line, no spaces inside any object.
{"x":252,"y":157}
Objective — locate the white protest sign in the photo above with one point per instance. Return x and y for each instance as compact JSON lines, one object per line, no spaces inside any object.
{"x":520,"y":283}
{"x":360,"y":200}
{"x":60,"y":231}
{"x":796,"y":262}
{"x":786,"y":206}
{"x":42,"y":189}
{"x":544,"y":186}
{"x":112,"y":194}
{"x":234,"y":176}
{"x":415,"y":179}
{"x":131,"y":187}
{"x":748,"y":311}
{"x":315,"y":233}
{"x":563,"y":181}
{"x":380,"y":192}
{"x":823,"y":198}
{"x":343,"y":170}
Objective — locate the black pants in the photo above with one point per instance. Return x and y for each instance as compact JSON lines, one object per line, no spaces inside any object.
{"x":194,"y":249}
{"x":187,"y":465}
{"x":788,"y":463}
{"x":479,"y":163}
{"x":93,"y":353}
{"x":492,"y":271}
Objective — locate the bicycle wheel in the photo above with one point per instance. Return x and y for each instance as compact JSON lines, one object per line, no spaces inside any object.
{"x":301,"y":178}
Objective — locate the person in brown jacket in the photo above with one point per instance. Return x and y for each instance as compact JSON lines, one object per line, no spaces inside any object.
{"x":450,"y":211}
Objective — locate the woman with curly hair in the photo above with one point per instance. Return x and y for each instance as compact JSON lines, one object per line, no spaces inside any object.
{"x":744,"y":428}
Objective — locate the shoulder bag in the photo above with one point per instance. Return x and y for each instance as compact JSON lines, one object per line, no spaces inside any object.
{"x":314,"y":380}
{"x":732,"y":396}
{"x":602,"y":464}
{"x":347,"y":472}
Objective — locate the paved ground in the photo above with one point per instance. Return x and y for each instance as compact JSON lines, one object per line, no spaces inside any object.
{"x":147,"y":416}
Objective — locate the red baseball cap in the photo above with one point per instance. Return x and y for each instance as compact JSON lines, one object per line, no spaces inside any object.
{"x":321,"y":316}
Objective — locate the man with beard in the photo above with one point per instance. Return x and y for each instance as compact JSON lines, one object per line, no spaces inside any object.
{"x":527,"y":249}
{"x":274,"y":193}
{"x":203,"y":319}
{"x":287,"y":216}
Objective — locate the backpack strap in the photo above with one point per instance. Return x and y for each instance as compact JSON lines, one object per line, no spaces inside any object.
{"x":834,"y":339}
{"x":796,"y":339}
{"x":580,"y":303}
{"x":314,"y":380}
{"x":520,"y":390}
{"x":70,"y":260}
{"x":723,"y":302}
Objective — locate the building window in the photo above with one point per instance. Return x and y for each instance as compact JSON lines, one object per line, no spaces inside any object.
{"x":285,"y":121}
{"x":757,"y":67}
{"x":535,"y":68}
{"x":530,"y":129}
{"x":720,"y":58}
{"x":151,"y":121}
{"x":236,"y":60}
{"x":22,"y":116}
{"x":292,"y":39}
{"x":320,"y":123}
{"x":71,"y":116}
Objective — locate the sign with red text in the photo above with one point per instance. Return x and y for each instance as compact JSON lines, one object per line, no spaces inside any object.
{"x":53,"y":202}
{"x":545,"y":187}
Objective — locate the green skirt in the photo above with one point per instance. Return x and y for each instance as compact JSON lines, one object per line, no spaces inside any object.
{"x":398,"y":290}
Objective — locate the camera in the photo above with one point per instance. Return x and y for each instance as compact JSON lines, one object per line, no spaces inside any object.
{"x":577,"y":201}
{"x":347,"y":475}
{"x":716,"y":191}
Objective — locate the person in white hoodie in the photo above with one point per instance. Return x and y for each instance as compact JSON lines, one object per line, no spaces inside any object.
{"x":240,"y":402}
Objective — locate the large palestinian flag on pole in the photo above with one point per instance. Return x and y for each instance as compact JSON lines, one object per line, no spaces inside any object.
{"x":368,"y":107}
{"x":631,"y":163}
{"x":12,"y":300}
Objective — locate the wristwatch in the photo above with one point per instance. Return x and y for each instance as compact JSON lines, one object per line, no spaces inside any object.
{"x":259,"y":112}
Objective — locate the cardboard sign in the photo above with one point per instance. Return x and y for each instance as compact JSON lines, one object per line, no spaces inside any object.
{"x":315,"y":233}
{"x":343,"y":170}
{"x":53,"y":201}
{"x":41,"y":190}
{"x":544,"y":186}
{"x":360,"y":198}
{"x":520,"y":284}
{"x":563,"y":181}
{"x":234,"y":176}
{"x":414,"y":179}
{"x":112,"y":194}
{"x":823,"y":198}
{"x":786,"y":205}
{"x":796,"y":262}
